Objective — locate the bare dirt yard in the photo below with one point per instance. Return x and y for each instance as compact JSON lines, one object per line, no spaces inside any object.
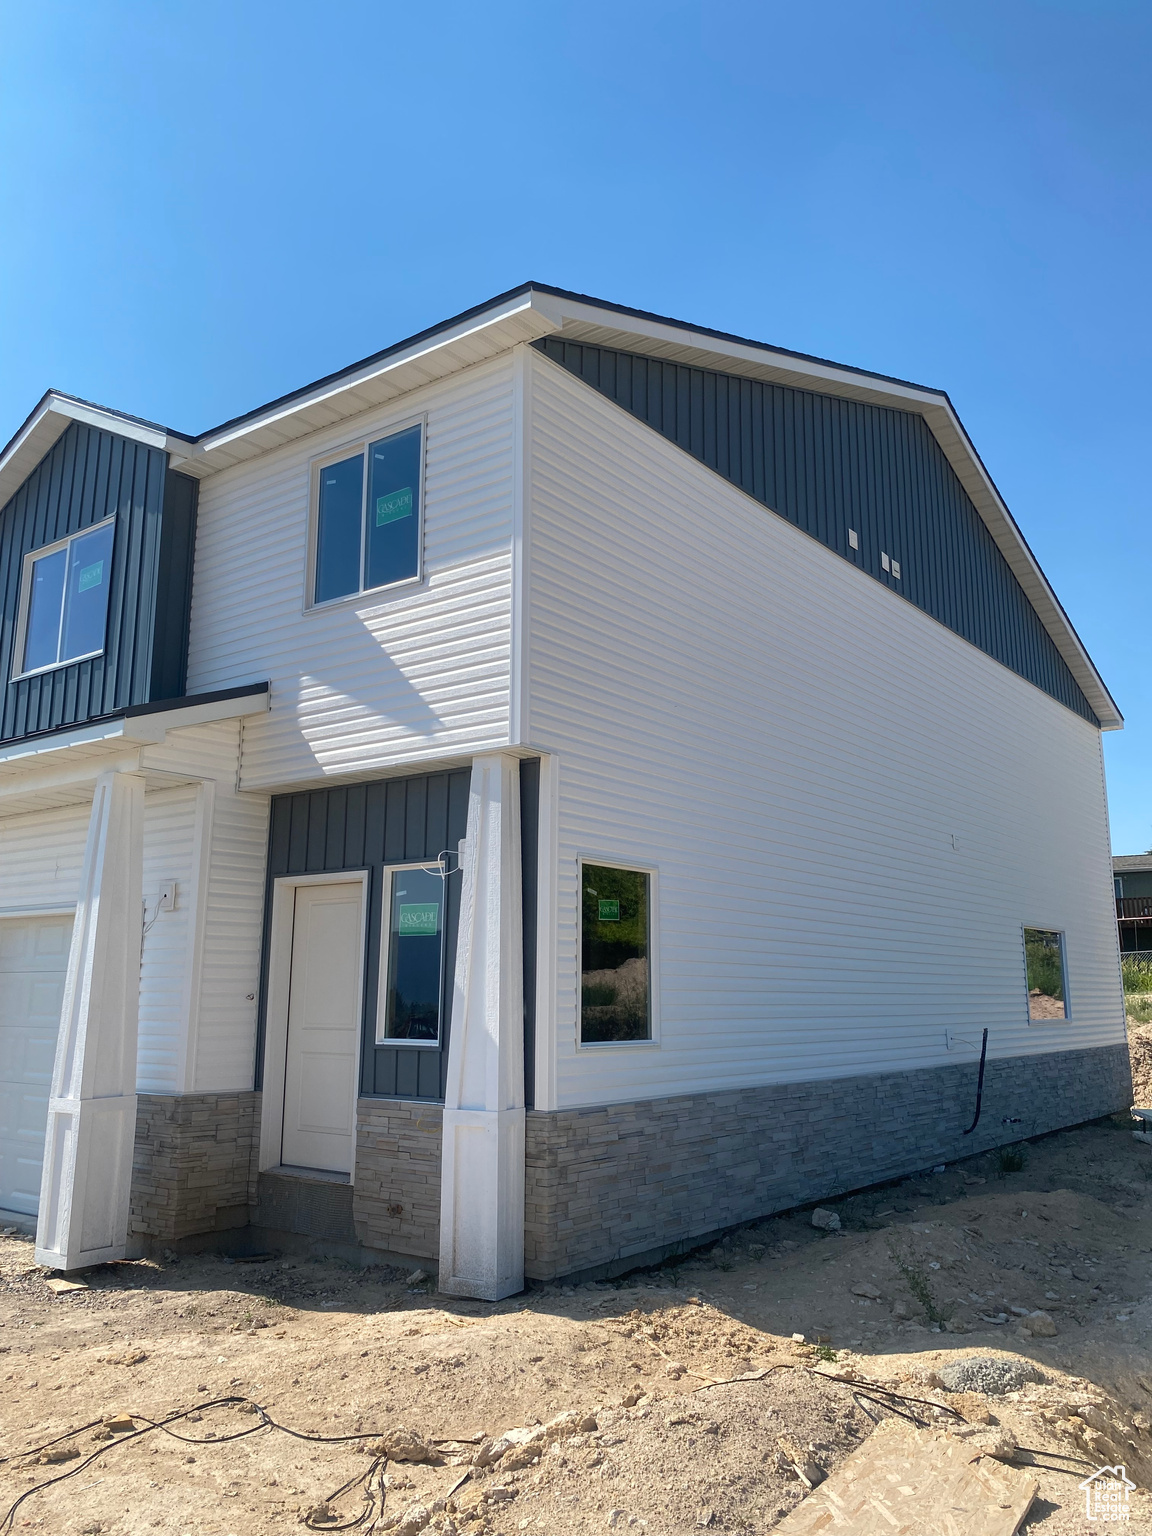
{"x":1008,"y":1298}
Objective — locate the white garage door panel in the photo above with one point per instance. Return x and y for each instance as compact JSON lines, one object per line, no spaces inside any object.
{"x":33,"y":958}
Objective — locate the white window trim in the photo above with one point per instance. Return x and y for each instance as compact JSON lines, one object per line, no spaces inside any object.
{"x":385,"y":947}
{"x":1063,"y":932}
{"x":614,"y":861}
{"x":276,"y":1013}
{"x":30,"y":560}
{"x":347,"y":450}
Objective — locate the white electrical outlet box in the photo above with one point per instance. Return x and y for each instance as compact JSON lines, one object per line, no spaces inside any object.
{"x":884,"y":561}
{"x":896,"y":569}
{"x":167,"y":898}
{"x":853,"y":539}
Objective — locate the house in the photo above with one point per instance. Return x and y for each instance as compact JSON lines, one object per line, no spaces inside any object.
{"x":565,"y":785}
{"x":1132,"y":879}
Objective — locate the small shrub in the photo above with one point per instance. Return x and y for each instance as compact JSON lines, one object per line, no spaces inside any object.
{"x":825,"y":1352}
{"x":1010,"y":1160}
{"x":598,"y":995}
{"x":1137,"y":975}
{"x":916,"y":1279}
{"x":1139,"y":1006}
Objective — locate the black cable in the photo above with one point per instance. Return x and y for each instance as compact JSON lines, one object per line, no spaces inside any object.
{"x":979,"y":1085}
{"x":266,"y":1421}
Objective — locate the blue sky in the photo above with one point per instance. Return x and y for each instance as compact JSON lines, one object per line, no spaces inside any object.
{"x":204,"y":205}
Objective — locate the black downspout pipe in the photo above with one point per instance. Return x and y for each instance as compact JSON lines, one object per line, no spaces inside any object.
{"x":979,"y":1085}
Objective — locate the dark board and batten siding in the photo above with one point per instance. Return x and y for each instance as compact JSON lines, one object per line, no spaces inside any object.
{"x":827,"y":465}
{"x":369,"y":827}
{"x":87,"y":476}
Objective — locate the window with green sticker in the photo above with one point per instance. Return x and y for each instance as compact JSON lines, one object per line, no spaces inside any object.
{"x":64,"y":603}
{"x":615,"y":964}
{"x":368,"y":518}
{"x":413,"y":962}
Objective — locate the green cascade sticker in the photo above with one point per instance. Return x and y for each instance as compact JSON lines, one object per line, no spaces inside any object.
{"x":609,"y":911}
{"x":419,"y":917}
{"x":394,"y":506}
{"x":90,"y":576}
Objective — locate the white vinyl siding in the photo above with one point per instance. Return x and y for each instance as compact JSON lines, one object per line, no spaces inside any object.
{"x":393,"y":677}
{"x":169,"y":830}
{"x":215,"y":1003}
{"x":40,"y":859}
{"x":851,"y":810}
{"x":225,"y":1046}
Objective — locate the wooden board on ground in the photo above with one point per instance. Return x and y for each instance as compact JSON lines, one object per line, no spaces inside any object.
{"x":908,"y":1482}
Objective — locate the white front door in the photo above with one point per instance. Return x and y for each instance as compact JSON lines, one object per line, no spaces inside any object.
{"x":33,"y":960}
{"x":323,"y":1027}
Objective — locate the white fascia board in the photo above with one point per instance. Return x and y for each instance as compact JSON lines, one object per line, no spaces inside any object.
{"x":154,"y":726}
{"x":587,"y":322}
{"x":522,"y":318}
{"x":681,"y":343}
{"x":134,"y":731}
{"x":949,"y":432}
{"x":25,"y":753}
{"x":51,"y":419}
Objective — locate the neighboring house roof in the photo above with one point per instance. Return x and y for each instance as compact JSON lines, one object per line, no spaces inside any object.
{"x":1131,"y":863}
{"x":524,"y":314}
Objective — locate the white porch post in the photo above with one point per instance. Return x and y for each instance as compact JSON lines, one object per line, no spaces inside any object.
{"x":92,"y":1107}
{"x":482,"y":1171}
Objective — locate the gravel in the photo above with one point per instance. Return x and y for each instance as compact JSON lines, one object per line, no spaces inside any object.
{"x":989,"y":1374}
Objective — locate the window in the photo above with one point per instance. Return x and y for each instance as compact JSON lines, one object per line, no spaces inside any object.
{"x":64,"y":602}
{"x":368,"y":518}
{"x":615,"y":972}
{"x":1044,"y":962}
{"x":413,"y":972}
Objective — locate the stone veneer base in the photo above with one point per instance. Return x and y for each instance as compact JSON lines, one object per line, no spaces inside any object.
{"x":610,"y":1187}
{"x":396,"y":1190}
{"x":193,"y":1167}
{"x":613,"y":1186}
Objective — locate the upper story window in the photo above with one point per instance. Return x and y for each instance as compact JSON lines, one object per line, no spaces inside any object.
{"x":64,"y":600}
{"x":369,"y":517}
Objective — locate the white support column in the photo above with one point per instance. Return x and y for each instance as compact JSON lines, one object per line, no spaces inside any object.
{"x":482,"y":1170}
{"x":92,"y":1108}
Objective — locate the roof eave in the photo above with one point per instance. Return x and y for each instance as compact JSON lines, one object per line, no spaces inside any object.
{"x":53,"y":414}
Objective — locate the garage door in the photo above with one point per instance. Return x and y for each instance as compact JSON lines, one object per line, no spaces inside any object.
{"x":33,"y":957}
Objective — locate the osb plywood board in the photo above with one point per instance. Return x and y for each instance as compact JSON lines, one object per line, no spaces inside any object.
{"x":908,"y":1482}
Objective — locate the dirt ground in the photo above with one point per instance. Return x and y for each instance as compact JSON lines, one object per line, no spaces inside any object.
{"x":657,"y":1435}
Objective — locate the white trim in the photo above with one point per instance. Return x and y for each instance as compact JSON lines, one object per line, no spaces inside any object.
{"x":385,"y":940}
{"x":149,"y":729}
{"x":52,"y":418}
{"x":594,"y":325}
{"x":316,"y":466}
{"x":276,"y":1012}
{"x":547,"y":876}
{"x":519,"y":696}
{"x":522,"y":305}
{"x":51,"y":910}
{"x":604,"y":861}
{"x":201,"y":863}
{"x":43,"y":552}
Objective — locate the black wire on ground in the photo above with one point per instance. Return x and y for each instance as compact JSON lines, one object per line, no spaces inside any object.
{"x":266,"y":1421}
